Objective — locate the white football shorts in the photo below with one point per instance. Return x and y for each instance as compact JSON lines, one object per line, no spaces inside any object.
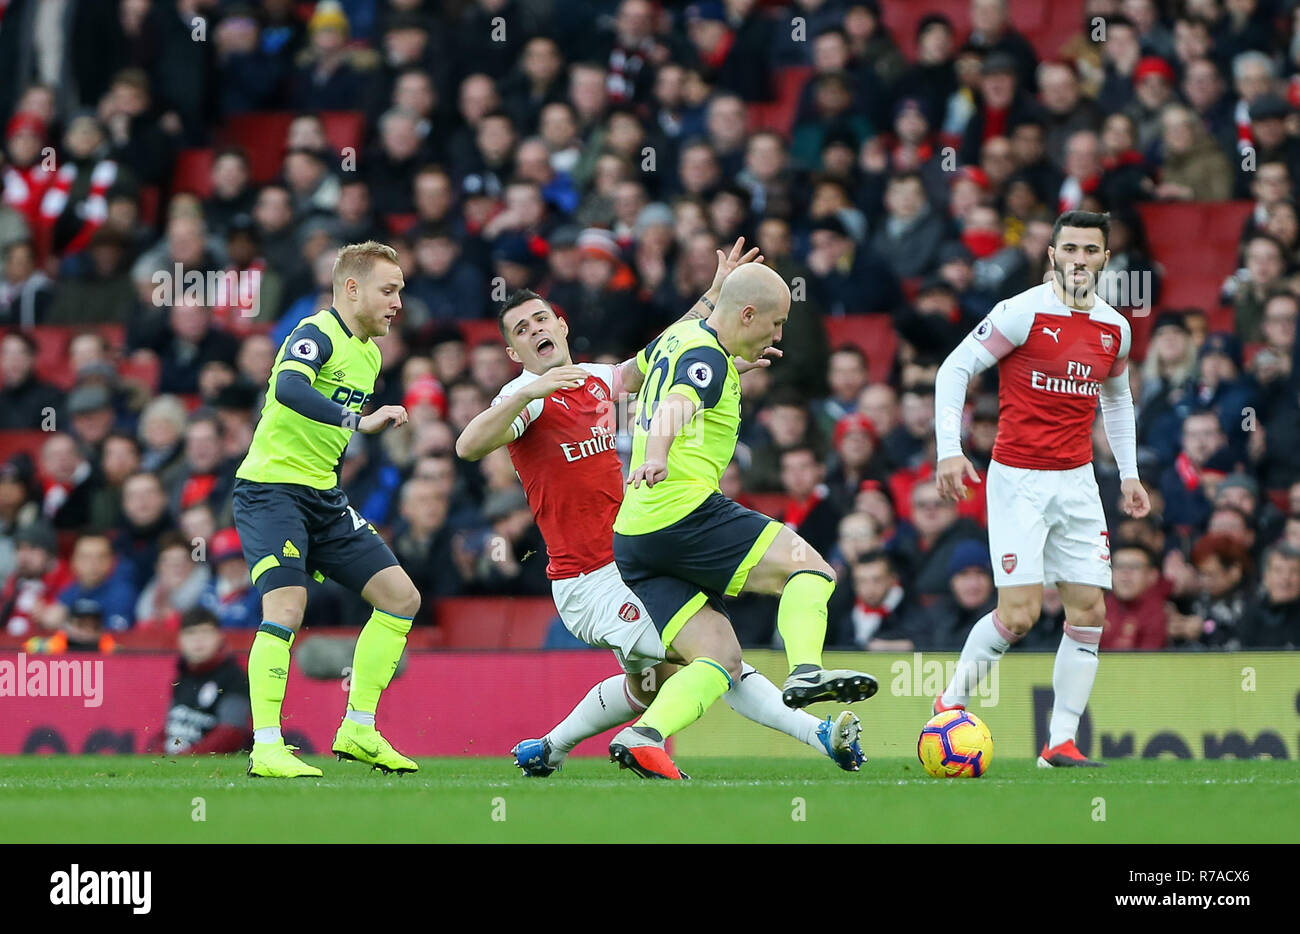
{"x":1047,"y":526}
{"x":599,"y":609}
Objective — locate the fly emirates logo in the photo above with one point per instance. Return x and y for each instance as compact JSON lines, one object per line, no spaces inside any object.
{"x":599,"y":442}
{"x":1077,"y":381}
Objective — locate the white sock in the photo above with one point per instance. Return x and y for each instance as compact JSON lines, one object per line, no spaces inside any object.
{"x":360,"y":716}
{"x":606,"y":705}
{"x":1072,"y":677}
{"x":987,"y":642}
{"x":756,"y":698}
{"x":267,"y":734}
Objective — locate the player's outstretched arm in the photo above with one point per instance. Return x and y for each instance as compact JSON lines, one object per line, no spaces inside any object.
{"x":500,"y":424}
{"x":674,"y":412}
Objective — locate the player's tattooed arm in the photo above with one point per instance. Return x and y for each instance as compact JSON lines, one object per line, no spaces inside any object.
{"x":727,"y":263}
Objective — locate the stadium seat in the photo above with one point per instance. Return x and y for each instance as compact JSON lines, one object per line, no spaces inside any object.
{"x":264,"y":135}
{"x":481,"y":332}
{"x":150,"y":198}
{"x":143,"y":370}
{"x":1045,"y":25}
{"x":399,"y":224}
{"x":779,"y":113}
{"x":769,"y":504}
{"x":12,"y":442}
{"x":193,"y":172}
{"x":873,"y":334}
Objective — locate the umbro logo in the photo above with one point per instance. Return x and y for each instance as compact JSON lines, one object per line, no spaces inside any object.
{"x":338,"y":374}
{"x":1054,"y":335}
{"x":280,"y":673}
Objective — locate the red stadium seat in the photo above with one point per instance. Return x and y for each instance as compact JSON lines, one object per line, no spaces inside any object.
{"x":144,"y":370}
{"x":262,"y":136}
{"x":12,"y":442}
{"x":769,"y":504}
{"x":779,"y":113}
{"x":1196,"y":243}
{"x":344,"y":129}
{"x":52,"y":355}
{"x":193,"y":172}
{"x":481,"y":332}
{"x":399,"y":224}
{"x":873,"y":334}
{"x":149,"y":199}
{"x":1045,"y":25}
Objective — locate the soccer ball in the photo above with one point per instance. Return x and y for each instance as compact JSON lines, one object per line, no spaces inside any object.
{"x":955,"y":744}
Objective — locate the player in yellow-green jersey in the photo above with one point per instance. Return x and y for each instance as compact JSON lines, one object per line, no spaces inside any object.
{"x":294,"y":521}
{"x":680,"y":545}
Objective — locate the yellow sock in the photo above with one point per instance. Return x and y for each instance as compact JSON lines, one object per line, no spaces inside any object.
{"x":268,"y":673}
{"x":684,"y":697}
{"x":379,"y":649}
{"x":801,"y":616}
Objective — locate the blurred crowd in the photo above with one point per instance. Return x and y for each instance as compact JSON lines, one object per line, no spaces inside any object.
{"x":599,"y":152}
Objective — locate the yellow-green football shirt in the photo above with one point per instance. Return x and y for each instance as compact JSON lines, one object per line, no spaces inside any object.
{"x":290,"y":448}
{"x":686,"y":359}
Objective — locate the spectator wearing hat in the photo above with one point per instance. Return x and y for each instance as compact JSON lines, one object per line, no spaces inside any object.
{"x":1154,"y":84}
{"x":1002,"y":102}
{"x":36,"y":578}
{"x":90,"y":410}
{"x":1223,"y":588}
{"x":95,"y":285}
{"x":1222,"y":388}
{"x":1135,"y":605}
{"x":250,"y":75}
{"x":881,"y":617}
{"x":328,"y":75}
{"x":82,"y":631}
{"x":931,"y":79}
{"x":1272,"y":618}
{"x":854,"y":279}
{"x":602,"y":307}
{"x":230,"y":594}
{"x":27,"y":176}
{"x":1271,"y":141}
{"x":858,"y":457}
{"x":967,"y":596}
{"x":1205,"y":91}
{"x":28,"y":401}
{"x":731,"y":50}
{"x":210,"y":711}
{"x":176,"y":584}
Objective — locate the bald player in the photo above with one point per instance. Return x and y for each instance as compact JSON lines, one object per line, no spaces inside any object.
{"x":680,"y":545}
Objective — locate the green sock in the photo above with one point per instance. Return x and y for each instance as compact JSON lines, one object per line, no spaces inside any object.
{"x":268,"y":673}
{"x":685,"y":696}
{"x":379,"y":648}
{"x":801,"y":617}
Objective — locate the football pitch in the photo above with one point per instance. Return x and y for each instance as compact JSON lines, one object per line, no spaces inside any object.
{"x":140,"y":799}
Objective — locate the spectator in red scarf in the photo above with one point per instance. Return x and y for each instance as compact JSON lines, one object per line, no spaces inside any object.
{"x":206,"y":475}
{"x":1204,"y":449}
{"x":1126,"y":175}
{"x":882,"y":618}
{"x":1135,"y":607}
{"x":76,"y":204}
{"x":230,"y":594}
{"x":29,"y":172}
{"x":1001,"y":105}
{"x":1065,"y":109}
{"x":177,"y":584}
{"x":69,"y":482}
{"x":857,"y":446}
{"x":811,"y":511}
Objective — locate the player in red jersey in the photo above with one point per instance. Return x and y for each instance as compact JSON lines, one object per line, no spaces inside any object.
{"x":1058,"y":349}
{"x":558,"y":422}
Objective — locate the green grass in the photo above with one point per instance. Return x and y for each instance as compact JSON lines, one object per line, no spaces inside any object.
{"x":142,"y":799}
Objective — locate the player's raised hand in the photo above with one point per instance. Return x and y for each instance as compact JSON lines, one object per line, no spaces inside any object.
{"x":555,"y":379}
{"x":764,"y":359}
{"x":380,"y":418}
{"x":1135,"y":500}
{"x":651,"y":472}
{"x":737,"y":256}
{"x":951,"y":476}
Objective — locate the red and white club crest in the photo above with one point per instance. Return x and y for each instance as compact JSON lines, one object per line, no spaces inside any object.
{"x":629,"y":613}
{"x":596,"y":389}
{"x":1008,"y":563}
{"x":1107,"y":341}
